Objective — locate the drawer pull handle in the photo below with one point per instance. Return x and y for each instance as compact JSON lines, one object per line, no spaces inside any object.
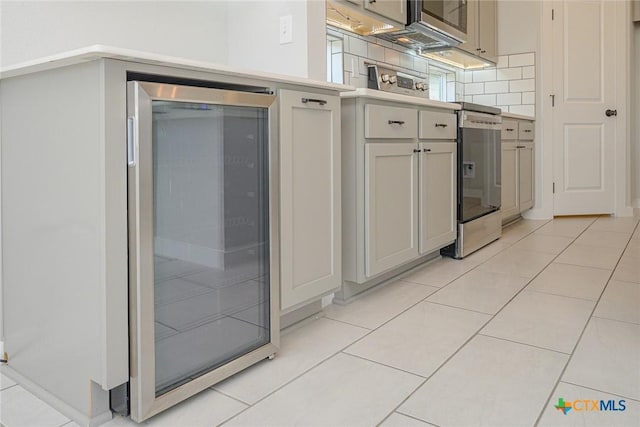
{"x":397,"y":122}
{"x":417,"y":150}
{"x":527,"y":130}
{"x":509,"y":130}
{"x":521,"y":146}
{"x":441,"y":125}
{"x":427,"y":150}
{"x":319,"y":101}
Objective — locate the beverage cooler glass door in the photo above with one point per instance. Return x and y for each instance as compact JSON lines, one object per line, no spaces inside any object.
{"x":202,"y":215}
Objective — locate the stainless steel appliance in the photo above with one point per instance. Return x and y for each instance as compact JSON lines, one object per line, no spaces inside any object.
{"x":202,"y":238}
{"x":479,"y":191}
{"x":390,"y":80}
{"x":432,"y":24}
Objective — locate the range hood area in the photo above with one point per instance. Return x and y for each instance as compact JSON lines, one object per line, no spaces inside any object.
{"x":423,"y":38}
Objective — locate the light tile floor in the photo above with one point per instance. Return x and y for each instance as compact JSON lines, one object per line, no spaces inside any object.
{"x":550,"y":311}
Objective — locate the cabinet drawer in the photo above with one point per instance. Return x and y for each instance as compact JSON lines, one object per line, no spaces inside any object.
{"x":381,"y":121}
{"x":526,"y":131}
{"x":437,"y":125}
{"x":509,"y":129}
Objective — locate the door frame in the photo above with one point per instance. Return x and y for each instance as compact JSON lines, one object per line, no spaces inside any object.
{"x":622,"y":144}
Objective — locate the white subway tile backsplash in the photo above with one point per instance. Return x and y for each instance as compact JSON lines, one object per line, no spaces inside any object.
{"x":484,"y":99}
{"x":529,"y":72}
{"x":468,"y":77}
{"x":528,"y":85}
{"x":406,"y":61}
{"x":509,"y":73}
{"x":474,"y":89}
{"x":375,"y":52}
{"x":484,"y":75}
{"x":504,"y":108}
{"x":529,"y":98}
{"x":496,"y":87}
{"x":503,"y":61}
{"x":525,"y":110}
{"x":420,"y":65}
{"x":451,"y":77}
{"x":363,"y":68}
{"x":350,"y":63}
{"x":509,"y":99}
{"x":357,"y":46}
{"x":467,"y":98}
{"x":521,"y":60}
{"x":391,"y":56}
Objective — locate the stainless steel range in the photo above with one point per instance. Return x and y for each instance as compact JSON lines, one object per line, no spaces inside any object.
{"x":479,"y":161}
{"x":393,"y":80}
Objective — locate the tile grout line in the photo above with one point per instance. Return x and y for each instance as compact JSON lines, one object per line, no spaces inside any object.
{"x":615,"y":320}
{"x":583,"y":329}
{"x":383,"y":364}
{"x":228,"y":395}
{"x":524,"y":343}
{"x":601,"y":391}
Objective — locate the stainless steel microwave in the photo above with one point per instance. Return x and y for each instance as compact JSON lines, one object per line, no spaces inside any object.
{"x":446,"y":16}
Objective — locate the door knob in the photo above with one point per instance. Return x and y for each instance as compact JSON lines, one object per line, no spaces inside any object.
{"x":610,"y":113}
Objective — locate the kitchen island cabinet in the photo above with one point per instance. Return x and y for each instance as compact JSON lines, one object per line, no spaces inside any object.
{"x":518,"y":167}
{"x":398,"y":185}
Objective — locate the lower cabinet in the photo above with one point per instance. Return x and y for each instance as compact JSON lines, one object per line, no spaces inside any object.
{"x":391,"y":205}
{"x":310,"y":196}
{"x":517,"y":178}
{"x":437,"y":199}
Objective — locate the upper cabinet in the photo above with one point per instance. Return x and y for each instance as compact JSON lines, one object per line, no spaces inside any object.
{"x":392,"y":9}
{"x":636,"y":10}
{"x":481,"y":29}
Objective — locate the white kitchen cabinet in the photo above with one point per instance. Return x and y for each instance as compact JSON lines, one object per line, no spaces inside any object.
{"x":481,"y":29}
{"x":509,"y":180}
{"x":525,"y":176}
{"x":391,"y":205}
{"x":392,"y":9}
{"x":437,"y":199}
{"x":310,"y":194}
{"x":517,"y":170}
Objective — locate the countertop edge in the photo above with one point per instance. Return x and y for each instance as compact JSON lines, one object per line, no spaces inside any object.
{"x":394,"y":97}
{"x":94,"y":52}
{"x":517,"y":116}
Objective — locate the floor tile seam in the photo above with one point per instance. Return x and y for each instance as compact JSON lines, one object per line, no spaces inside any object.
{"x":580,"y":265}
{"x":237,"y":399}
{"x":564,"y":353}
{"x":409,"y":416}
{"x":559,"y":295}
{"x":623,"y":281}
{"x":386,"y":365}
{"x":568,"y":362}
{"x":601,"y":391}
{"x":616,"y":320}
{"x":8,"y":387}
{"x":458,"y":308}
{"x":348,"y":323}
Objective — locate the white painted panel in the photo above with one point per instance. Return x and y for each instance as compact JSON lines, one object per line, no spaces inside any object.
{"x":509,"y":180}
{"x":583,"y":51}
{"x":583,"y":157}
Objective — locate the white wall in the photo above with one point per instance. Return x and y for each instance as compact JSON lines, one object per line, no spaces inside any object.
{"x":254,"y":37}
{"x":635,"y":118}
{"x":189,"y":29}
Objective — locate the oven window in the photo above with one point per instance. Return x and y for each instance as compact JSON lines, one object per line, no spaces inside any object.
{"x":451,"y":12}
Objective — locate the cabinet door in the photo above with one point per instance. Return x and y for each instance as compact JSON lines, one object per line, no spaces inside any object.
{"x":391,"y":205}
{"x":437,"y":186}
{"x":525,"y":173}
{"x":392,"y":9}
{"x":487,"y":29}
{"x":472,"y":43}
{"x":509,"y":180}
{"x":310,"y":225}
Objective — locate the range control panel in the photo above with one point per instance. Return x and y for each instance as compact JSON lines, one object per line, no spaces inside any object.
{"x":389,"y":80}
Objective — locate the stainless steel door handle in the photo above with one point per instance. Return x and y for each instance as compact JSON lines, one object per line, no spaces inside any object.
{"x":441,"y":125}
{"x":397,"y":122}
{"x":319,"y":101}
{"x":610,"y":113}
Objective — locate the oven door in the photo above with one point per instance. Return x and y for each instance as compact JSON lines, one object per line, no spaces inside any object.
{"x":448,"y":16}
{"x":479,"y":169}
{"x":203,"y":274}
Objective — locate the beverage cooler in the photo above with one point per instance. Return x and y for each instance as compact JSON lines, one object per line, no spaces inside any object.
{"x":202,"y":264}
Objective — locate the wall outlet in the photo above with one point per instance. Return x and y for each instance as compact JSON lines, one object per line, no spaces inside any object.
{"x":286,"y":29}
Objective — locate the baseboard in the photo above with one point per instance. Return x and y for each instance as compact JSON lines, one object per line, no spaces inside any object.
{"x":53,"y":401}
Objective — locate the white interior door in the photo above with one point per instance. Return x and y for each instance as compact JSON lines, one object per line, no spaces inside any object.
{"x":584,"y":81}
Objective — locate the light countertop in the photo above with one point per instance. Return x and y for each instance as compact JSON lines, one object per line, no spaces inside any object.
{"x":94,"y":52}
{"x":517,"y":116}
{"x":394,"y":97}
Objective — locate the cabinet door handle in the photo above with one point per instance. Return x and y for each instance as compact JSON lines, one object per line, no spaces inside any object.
{"x":427,"y":150}
{"x":441,"y":125}
{"x":527,"y":130}
{"x":509,"y":130}
{"x":483,"y":51}
{"x":372,"y":1}
{"x":521,"y":146}
{"x":417,"y":150}
{"x":479,"y":49}
{"x":319,"y":101}
{"x":397,"y":122}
